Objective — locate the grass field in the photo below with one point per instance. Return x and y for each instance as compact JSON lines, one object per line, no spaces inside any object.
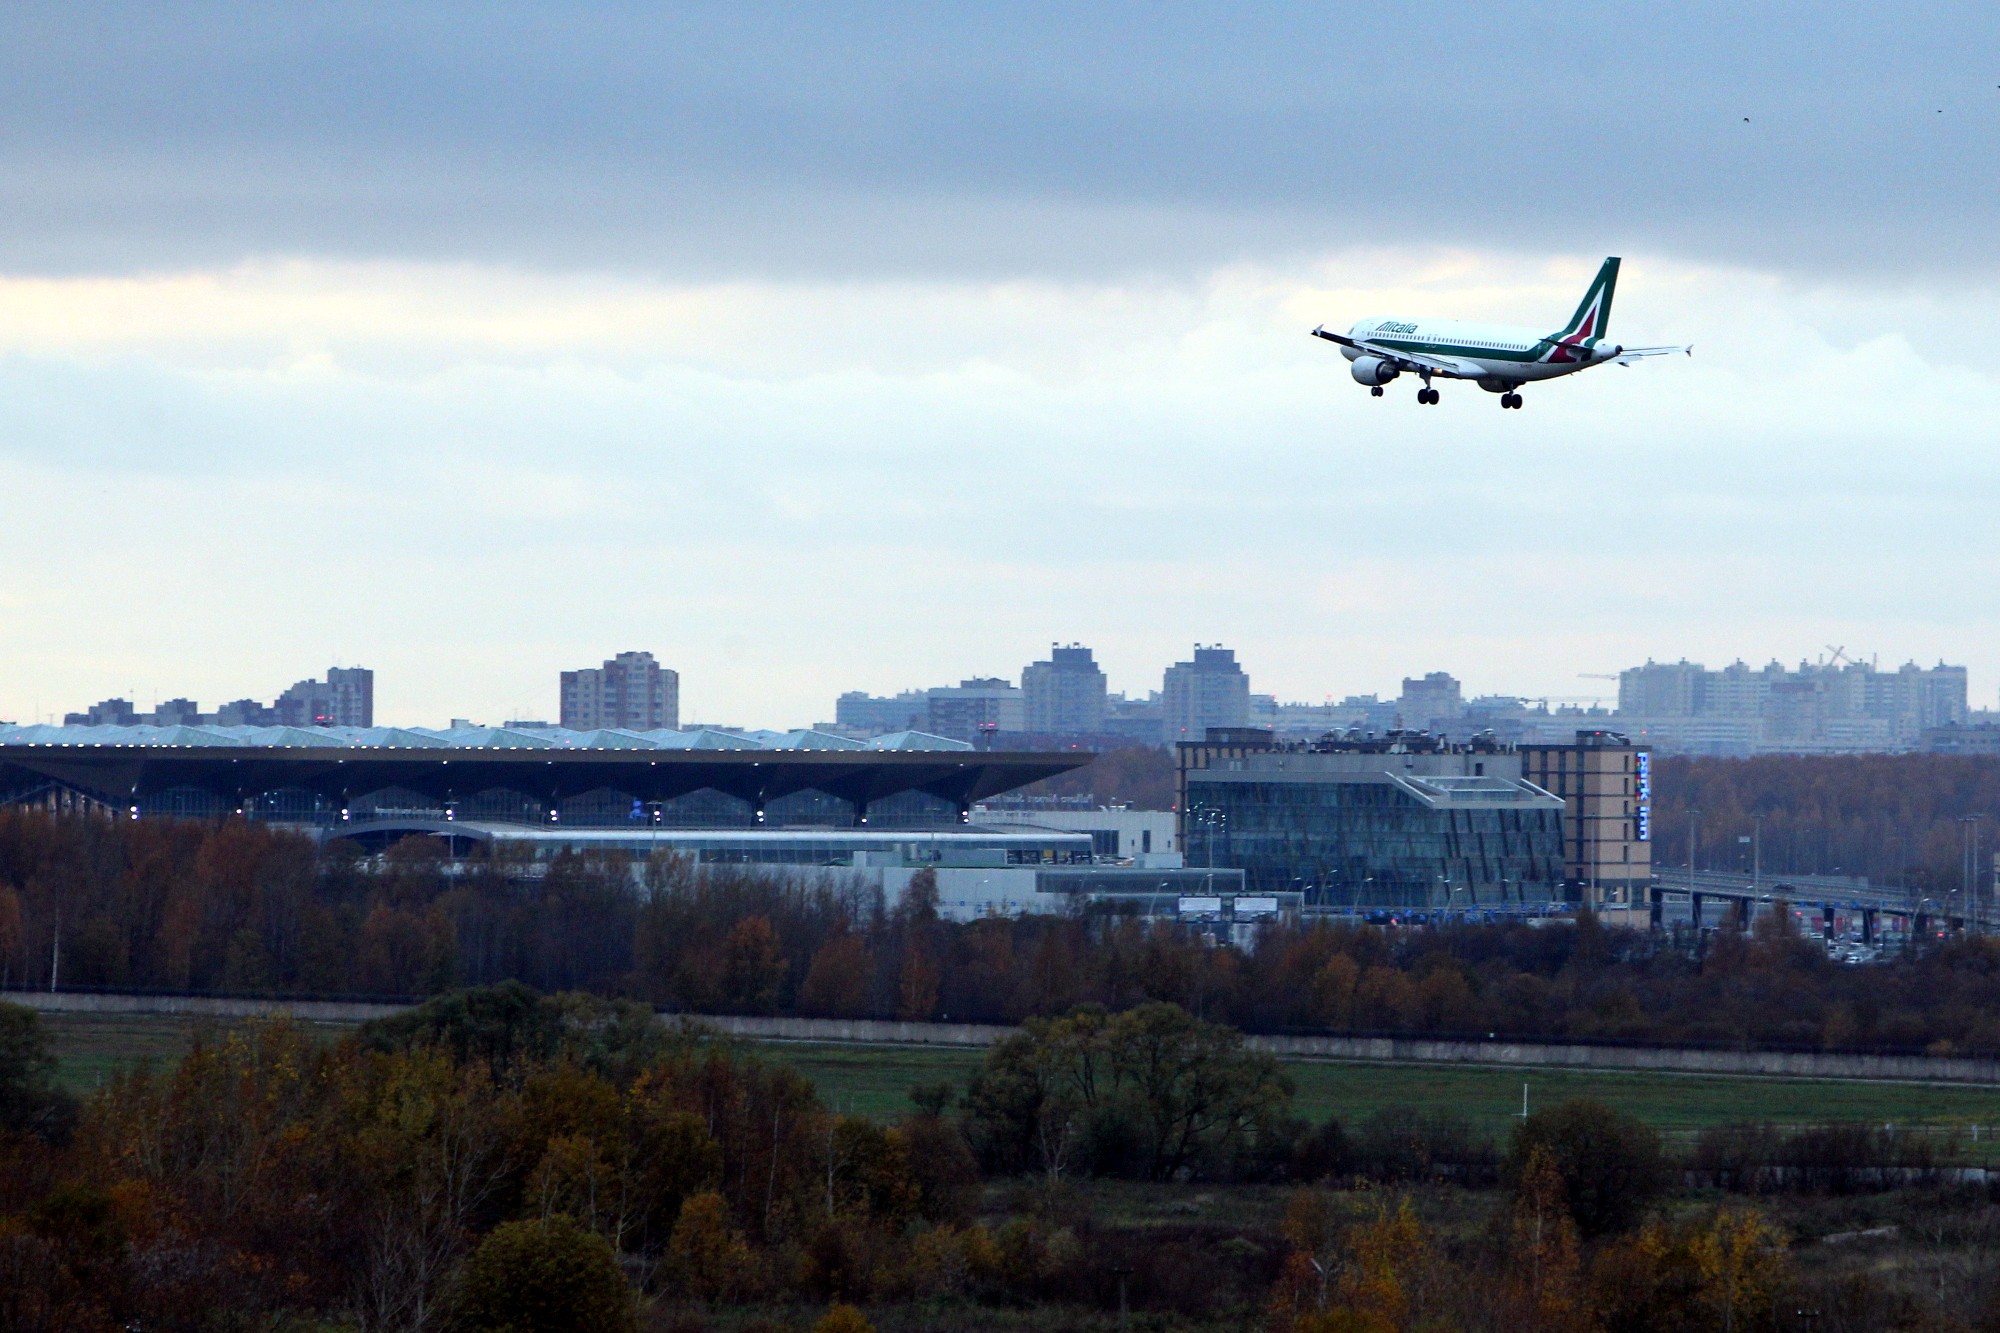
{"x":875,"y":1081}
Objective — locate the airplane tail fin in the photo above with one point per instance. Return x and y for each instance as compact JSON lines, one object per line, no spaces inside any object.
{"x":1593,"y":315}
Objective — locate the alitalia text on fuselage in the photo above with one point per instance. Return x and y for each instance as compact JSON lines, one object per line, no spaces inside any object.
{"x":1498,"y":358}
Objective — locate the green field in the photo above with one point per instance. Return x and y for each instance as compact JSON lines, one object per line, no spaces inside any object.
{"x":875,"y":1081}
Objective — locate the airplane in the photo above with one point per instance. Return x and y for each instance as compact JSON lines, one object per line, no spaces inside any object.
{"x":1500,"y":359}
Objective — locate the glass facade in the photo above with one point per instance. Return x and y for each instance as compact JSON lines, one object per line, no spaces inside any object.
{"x":1370,"y":844}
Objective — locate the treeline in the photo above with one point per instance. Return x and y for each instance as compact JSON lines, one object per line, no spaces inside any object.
{"x":1894,"y":818}
{"x":501,"y":1160}
{"x":239,"y":907}
{"x":1141,"y":776}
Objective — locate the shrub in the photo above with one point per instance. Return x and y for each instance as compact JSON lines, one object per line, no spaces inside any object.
{"x":30,"y":1101}
{"x":543,"y":1277}
{"x":1403,"y":1143}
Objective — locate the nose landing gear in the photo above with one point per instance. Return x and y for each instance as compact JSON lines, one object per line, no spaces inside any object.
{"x":1374,"y":391}
{"x":1510,"y":400}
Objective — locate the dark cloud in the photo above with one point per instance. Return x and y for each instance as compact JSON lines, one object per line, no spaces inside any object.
{"x":1032,"y":138}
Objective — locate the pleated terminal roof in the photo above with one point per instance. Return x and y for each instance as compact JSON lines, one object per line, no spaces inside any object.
{"x":468,"y":738}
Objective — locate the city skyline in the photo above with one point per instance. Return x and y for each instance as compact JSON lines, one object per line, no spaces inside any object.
{"x":1432,"y":694}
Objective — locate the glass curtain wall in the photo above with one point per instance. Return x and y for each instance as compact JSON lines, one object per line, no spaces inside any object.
{"x":1371,"y":844}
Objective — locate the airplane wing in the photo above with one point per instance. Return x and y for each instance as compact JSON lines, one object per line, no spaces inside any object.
{"x":1627,"y":355}
{"x":1415,"y":361}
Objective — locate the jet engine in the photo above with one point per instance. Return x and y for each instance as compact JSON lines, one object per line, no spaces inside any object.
{"x":1373,"y":371}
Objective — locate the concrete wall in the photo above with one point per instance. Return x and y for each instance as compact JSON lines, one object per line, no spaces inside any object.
{"x":1675,"y":1059}
{"x":199,"y":1006}
{"x":876,"y":1032}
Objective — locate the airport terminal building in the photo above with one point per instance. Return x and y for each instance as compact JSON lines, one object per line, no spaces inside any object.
{"x":873,"y":813}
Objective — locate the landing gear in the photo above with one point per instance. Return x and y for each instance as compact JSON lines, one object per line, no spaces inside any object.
{"x":1510,"y":400}
{"x":1428,"y":397}
{"x":1374,"y":391}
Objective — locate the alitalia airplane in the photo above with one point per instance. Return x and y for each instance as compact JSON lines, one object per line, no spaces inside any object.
{"x":1500,"y":359}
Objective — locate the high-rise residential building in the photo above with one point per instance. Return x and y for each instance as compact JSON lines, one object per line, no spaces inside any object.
{"x":1663,"y":689}
{"x":1133,"y":721}
{"x":963,"y":711}
{"x":1063,"y":696}
{"x":245,"y":713}
{"x":1432,"y":702}
{"x":1837,"y":705}
{"x":872,"y":714}
{"x":346,"y":698}
{"x":108,"y":713}
{"x":1209,"y":691}
{"x":630,"y":690}
{"x":178,"y":713}
{"x":353,"y":691}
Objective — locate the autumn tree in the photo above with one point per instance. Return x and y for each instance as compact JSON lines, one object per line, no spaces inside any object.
{"x":1611,"y":1165}
{"x":837,"y":981}
{"x":1149,"y":1092}
{"x":1544,"y":1284}
{"x":753,"y":967}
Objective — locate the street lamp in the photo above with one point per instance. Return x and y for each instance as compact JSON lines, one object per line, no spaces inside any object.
{"x":1757,"y":855}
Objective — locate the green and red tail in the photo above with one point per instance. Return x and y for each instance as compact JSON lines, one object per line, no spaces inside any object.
{"x":1591,"y":320}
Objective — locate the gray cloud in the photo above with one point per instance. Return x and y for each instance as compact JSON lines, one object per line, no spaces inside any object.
{"x":1034,"y":139}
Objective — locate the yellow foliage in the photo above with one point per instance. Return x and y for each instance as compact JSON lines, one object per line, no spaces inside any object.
{"x":1739,"y":1259}
{"x":843,"y":1319}
{"x":945,"y":1260}
{"x":711,"y":1259}
{"x":1545,"y":1283}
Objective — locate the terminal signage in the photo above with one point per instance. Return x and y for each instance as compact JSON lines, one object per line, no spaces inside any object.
{"x":1256,"y":907}
{"x":1201,"y":907}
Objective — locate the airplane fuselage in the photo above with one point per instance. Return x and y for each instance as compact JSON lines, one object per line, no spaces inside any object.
{"x":1497,"y":356}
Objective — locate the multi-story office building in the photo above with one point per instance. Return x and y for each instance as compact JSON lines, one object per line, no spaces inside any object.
{"x":1405,"y":823}
{"x":1063,"y":696}
{"x":966,"y":710}
{"x":630,"y":691}
{"x":1211,"y":690}
{"x":1606,"y":786}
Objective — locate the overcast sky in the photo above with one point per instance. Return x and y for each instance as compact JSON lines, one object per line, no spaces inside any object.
{"x":873,"y":351}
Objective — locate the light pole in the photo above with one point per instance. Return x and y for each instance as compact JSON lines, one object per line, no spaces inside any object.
{"x":1694,"y":844}
{"x":1757,"y":855}
{"x":1969,"y":854}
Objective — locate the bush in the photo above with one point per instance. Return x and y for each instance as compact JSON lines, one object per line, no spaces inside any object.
{"x":1819,"y":1159}
{"x":1403,"y":1143}
{"x":543,"y":1277}
{"x":1611,"y":1165}
{"x":30,"y":1101}
{"x":1323,"y":1152}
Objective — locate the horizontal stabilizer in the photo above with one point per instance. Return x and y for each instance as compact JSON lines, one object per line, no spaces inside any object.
{"x":1627,"y":355}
